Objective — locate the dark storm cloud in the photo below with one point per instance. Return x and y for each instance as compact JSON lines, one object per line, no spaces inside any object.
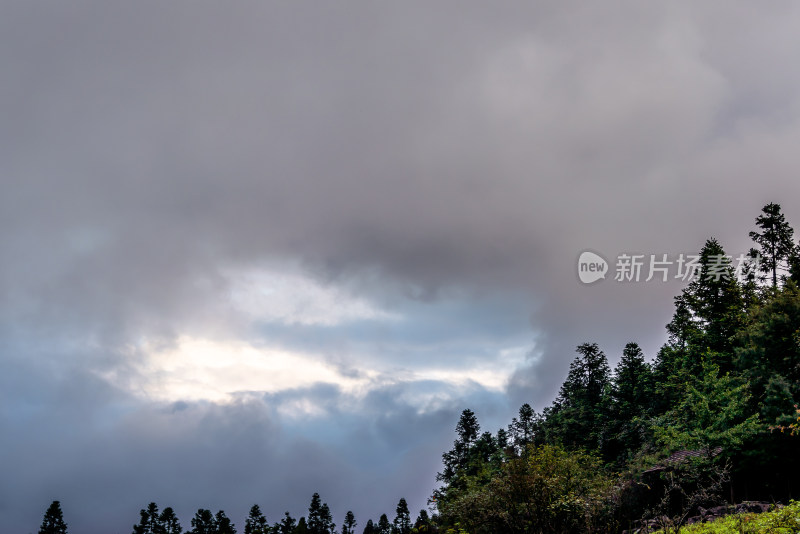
{"x":406,"y":152}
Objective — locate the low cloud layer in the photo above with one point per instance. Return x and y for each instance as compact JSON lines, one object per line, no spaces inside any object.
{"x":255,"y":251}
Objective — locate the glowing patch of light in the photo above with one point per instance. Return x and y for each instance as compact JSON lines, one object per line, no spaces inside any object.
{"x":202,"y":369}
{"x":220,"y":371}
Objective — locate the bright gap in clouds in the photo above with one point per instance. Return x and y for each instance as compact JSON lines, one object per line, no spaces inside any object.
{"x":219,"y":371}
{"x":220,"y":365}
{"x":204,"y":369}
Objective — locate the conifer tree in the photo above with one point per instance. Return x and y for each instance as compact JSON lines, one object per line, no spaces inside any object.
{"x":223,"y":523}
{"x":256,"y":523}
{"x":713,"y":416}
{"x":286,"y":525}
{"x":580,"y":414}
{"x":150,"y":522}
{"x":632,"y":400}
{"x":716,"y":298}
{"x":458,"y":457}
{"x":349,"y":523}
{"x":384,"y":527}
{"x":769,"y":349}
{"x":632,"y":387}
{"x":523,"y":428}
{"x":709,"y":312}
{"x":319,"y":519}
{"x":402,"y":521}
{"x":369,"y":528}
{"x":683,"y":329}
{"x":502,"y":439}
{"x":326,"y":520}
{"x":203,"y":522}
{"x":775,"y":240}
{"x":53,"y":521}
{"x":314,"y":521}
{"x":169,"y":522}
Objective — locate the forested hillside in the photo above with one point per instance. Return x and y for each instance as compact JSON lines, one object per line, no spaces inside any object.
{"x":712,"y":418}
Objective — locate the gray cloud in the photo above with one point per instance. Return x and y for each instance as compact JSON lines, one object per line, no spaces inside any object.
{"x":447,"y":162}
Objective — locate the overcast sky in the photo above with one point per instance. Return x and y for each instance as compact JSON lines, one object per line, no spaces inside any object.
{"x":255,"y":250}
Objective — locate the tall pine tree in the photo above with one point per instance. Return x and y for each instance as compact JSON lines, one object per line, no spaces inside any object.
{"x":319,"y":519}
{"x":775,"y":240}
{"x":169,"y":522}
{"x":402,"y":521}
{"x":286,"y":525}
{"x":314,"y":521}
{"x":150,"y":522}
{"x":224,"y":525}
{"x":53,"y":521}
{"x":716,"y":310}
{"x":632,"y":401}
{"x":633,"y":382}
{"x":369,"y":528}
{"x":349,"y":523}
{"x":523,"y":428}
{"x":457,"y":459}
{"x":256,"y":523}
{"x":203,"y":522}
{"x":384,"y":527}
{"x":579,"y":415}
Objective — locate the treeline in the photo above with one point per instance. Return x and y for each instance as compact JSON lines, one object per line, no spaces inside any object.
{"x":318,"y":521}
{"x":649,"y":444}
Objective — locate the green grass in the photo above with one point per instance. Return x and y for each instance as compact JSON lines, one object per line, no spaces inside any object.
{"x":785,"y":520}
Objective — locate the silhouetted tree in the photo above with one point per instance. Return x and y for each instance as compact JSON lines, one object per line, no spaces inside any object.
{"x":53,"y":521}
{"x":169,"y":522}
{"x":326,"y":520}
{"x":319,"y":519}
{"x":256,"y":523}
{"x":349,"y":523}
{"x":402,"y":521}
{"x":523,"y":428}
{"x":203,"y":522}
{"x":384,"y":527}
{"x":150,"y":522}
{"x":286,"y":525}
{"x":224,"y":525}
{"x":458,"y":457}
{"x":775,"y":240}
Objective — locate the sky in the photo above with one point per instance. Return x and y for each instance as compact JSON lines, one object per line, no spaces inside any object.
{"x":257,"y":250}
